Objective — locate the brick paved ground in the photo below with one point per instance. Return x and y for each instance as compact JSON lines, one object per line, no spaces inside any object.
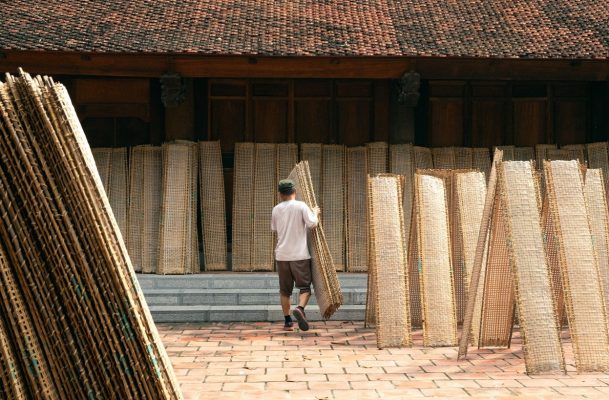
{"x":337,"y":360}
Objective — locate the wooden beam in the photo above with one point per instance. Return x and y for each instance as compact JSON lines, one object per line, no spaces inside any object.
{"x":153,"y":65}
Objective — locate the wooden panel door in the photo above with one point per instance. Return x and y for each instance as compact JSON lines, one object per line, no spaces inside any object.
{"x":270,"y":111}
{"x":530,"y":122}
{"x":313,"y":114}
{"x":227,"y":112}
{"x":446,"y":113}
{"x":570,"y":121}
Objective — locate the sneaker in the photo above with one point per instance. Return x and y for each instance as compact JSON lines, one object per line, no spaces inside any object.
{"x":301,"y":318}
{"x":288,"y":326}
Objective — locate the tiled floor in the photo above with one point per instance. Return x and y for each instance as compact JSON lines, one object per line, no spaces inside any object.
{"x":336,"y":360}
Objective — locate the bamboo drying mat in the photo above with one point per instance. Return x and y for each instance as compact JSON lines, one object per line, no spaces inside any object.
{"x":558,"y":154}
{"x":357,"y":210}
{"x":443,"y":157}
{"x":414,"y":270}
{"x":576,"y":152}
{"x":463,"y":158}
{"x":524,"y":154}
{"x":598,"y":217}
{"x":541,"y":153}
{"x":333,"y":202}
{"x":118,"y":192}
{"x":175,"y":253}
{"x":103,"y":161}
{"x":497,"y":314}
{"x":325,"y":280}
{"x":311,"y":152}
{"x":388,"y":260}
{"x":433,"y":235}
{"x":422,"y":158}
{"x":287,"y":158}
{"x":401,"y":162}
{"x":377,"y":157}
{"x":470,"y":190}
{"x":243,"y":207}
{"x":12,"y":381}
{"x":135,"y":210}
{"x":508,"y":152}
{"x":479,"y":264}
{"x":580,"y":271}
{"x":83,"y":295}
{"x":212,"y":201}
{"x":152,"y":188}
{"x":598,"y":157}
{"x":481,"y":160}
{"x":265,"y":192}
{"x":537,"y":317}
{"x":552,"y":256}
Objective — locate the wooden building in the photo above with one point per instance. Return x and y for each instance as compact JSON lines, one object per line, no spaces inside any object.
{"x":430,"y":72}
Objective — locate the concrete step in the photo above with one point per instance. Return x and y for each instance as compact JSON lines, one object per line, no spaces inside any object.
{"x":233,"y":280}
{"x":242,"y":313}
{"x":229,"y":297}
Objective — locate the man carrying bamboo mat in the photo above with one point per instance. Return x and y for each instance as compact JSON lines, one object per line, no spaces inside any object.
{"x":290,"y":220}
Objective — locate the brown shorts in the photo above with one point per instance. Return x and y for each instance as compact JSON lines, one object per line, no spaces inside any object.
{"x":294,"y":273}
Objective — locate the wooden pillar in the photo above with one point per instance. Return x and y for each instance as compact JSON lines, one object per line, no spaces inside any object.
{"x":401,"y":125}
{"x":180,"y":119}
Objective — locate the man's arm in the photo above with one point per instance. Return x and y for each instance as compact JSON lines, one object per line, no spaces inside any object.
{"x":273,"y":223}
{"x":311,"y":217}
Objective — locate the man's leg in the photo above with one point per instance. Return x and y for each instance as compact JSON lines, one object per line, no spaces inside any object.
{"x":286,"y":284}
{"x":301,"y":271}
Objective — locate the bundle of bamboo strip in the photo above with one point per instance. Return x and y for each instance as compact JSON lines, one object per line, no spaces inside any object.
{"x":74,"y":313}
{"x":325,"y":280}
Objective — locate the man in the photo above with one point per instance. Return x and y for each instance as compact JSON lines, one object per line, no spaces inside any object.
{"x":291,"y":219}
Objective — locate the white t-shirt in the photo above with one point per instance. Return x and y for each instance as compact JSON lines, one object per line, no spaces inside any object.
{"x":290,"y":220}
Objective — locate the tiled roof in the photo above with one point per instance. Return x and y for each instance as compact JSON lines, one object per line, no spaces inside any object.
{"x":441,"y":28}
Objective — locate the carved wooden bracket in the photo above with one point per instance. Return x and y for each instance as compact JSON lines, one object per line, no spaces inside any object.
{"x":173,"y":90}
{"x":408,"y":89}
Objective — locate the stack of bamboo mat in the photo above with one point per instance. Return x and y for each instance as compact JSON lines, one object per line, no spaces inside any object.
{"x":325,"y":280}
{"x":73,"y":320}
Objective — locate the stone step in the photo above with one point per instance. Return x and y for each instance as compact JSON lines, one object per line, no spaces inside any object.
{"x":233,"y":280}
{"x":243,"y":313}
{"x":229,"y":297}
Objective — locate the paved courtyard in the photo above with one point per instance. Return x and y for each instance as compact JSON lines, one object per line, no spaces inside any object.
{"x":339,"y":360}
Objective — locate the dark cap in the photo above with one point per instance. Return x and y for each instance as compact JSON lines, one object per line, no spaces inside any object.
{"x":286,"y":186}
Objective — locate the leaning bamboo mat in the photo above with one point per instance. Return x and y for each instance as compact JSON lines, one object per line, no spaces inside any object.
{"x":463,"y":157}
{"x":325,"y":280}
{"x":401,"y":162}
{"x":212,"y":201}
{"x":311,"y":152}
{"x":536,"y":312}
{"x":541,"y":153}
{"x":175,"y":242}
{"x":103,"y":161}
{"x":287,"y":158}
{"x":598,"y":217}
{"x":444,"y":157}
{"x":497,"y":313}
{"x":433,"y":235}
{"x":509,"y":152}
{"x":481,"y":160}
{"x":118,"y":192}
{"x":12,"y":381}
{"x":524,"y":154}
{"x":152,"y":187}
{"x":378,"y":153}
{"x":135,"y":211}
{"x":357,"y":210}
{"x":576,"y":152}
{"x":578,"y":263}
{"x":333,"y":201}
{"x":470,"y":190}
{"x":414,"y":270}
{"x":598,"y":157}
{"x":243,"y":207}
{"x":388,"y":259}
{"x":552,"y":248}
{"x":422,"y":158}
{"x":265,"y":192}
{"x":480,"y":256}
{"x":91,"y":333}
{"x":558,"y":154}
